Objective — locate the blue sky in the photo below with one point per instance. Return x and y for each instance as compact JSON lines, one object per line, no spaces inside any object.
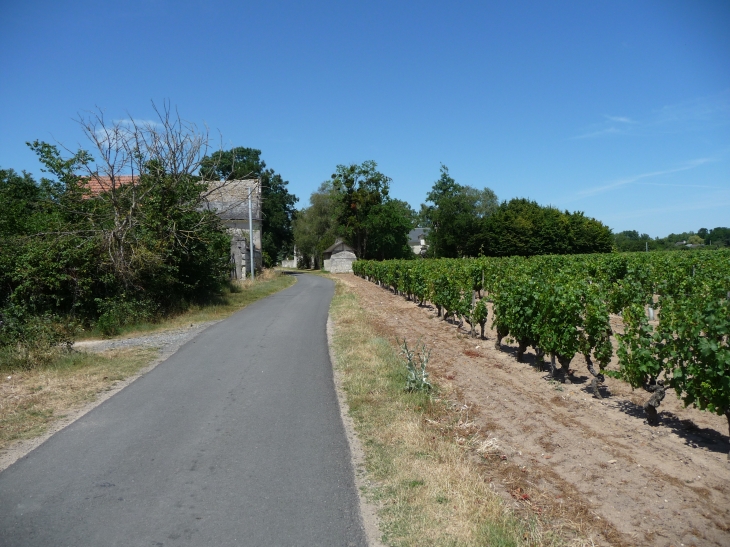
{"x":618,"y":109}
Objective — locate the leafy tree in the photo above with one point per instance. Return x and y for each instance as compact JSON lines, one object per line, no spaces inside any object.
{"x":277,"y":204}
{"x":354,"y":204}
{"x":360,"y":191}
{"x":455,"y":216}
{"x":695,"y":240}
{"x":20,"y":202}
{"x":631,"y":241}
{"x":316,"y":227}
{"x":388,"y":225}
{"x":587,"y":235}
{"x":136,"y":249}
{"x":522,"y":227}
{"x":718,"y":236}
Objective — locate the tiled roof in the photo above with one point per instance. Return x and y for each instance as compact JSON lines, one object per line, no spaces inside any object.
{"x":98,"y":184}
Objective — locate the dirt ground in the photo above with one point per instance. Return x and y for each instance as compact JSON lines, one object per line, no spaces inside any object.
{"x":594,"y":464}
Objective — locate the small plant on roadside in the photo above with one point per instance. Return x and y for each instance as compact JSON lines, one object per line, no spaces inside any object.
{"x":416,"y":362}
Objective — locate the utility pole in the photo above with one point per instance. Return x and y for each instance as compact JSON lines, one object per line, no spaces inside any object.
{"x":250,"y":233}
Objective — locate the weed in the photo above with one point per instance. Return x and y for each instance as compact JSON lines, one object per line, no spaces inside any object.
{"x":416,"y":361}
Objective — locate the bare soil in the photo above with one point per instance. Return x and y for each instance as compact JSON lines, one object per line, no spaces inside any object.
{"x":565,"y":454}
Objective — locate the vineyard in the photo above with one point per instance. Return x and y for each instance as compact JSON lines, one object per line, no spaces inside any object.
{"x":674,"y":310}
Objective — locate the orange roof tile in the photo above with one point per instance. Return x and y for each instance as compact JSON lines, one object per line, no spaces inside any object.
{"x":98,"y":184}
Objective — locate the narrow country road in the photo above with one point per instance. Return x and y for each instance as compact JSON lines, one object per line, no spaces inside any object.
{"x":234,"y":440}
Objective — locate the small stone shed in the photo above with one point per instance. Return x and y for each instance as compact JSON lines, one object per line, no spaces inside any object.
{"x":338,"y":257}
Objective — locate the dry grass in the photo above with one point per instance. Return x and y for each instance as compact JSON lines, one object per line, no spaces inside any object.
{"x":419,"y":448}
{"x":31,"y":399}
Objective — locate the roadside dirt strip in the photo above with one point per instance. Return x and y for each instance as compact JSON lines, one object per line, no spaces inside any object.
{"x":565,"y":453}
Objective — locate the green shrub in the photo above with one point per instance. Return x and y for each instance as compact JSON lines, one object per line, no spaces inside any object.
{"x":115,"y":314}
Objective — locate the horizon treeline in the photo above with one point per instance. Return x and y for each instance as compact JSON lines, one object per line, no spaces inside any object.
{"x":462,"y":221}
{"x":631,"y":240}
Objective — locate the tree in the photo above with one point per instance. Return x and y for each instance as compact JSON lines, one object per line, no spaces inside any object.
{"x":277,"y":204}
{"x":316,"y":227}
{"x":522,"y":227}
{"x":456,"y":215}
{"x":360,"y":190}
{"x":388,"y":226}
{"x":695,"y":240}
{"x":631,"y":241}
{"x":146,"y":237}
{"x":354,"y":205}
{"x":21,"y":200}
{"x":719,"y":236}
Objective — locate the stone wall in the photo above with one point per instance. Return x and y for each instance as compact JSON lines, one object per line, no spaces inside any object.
{"x":340,"y":262}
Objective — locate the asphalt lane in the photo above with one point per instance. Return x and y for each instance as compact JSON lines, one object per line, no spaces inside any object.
{"x":234,"y":440}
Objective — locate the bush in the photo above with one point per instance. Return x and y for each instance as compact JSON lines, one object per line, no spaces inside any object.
{"x":28,"y":341}
{"x":115,"y":314}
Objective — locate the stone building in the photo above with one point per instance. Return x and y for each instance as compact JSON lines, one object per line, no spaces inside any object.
{"x":338,"y":257}
{"x":417,"y":240}
{"x":229,"y":200}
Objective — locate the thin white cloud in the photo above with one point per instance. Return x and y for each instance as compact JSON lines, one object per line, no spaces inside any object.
{"x":692,"y":115}
{"x":680,"y":185}
{"x":598,"y":133}
{"x":637,"y":178}
{"x":131,"y":122}
{"x":619,"y":119}
{"x":723,"y":202}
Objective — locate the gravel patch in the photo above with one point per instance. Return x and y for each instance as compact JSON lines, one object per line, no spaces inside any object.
{"x":167,"y":342}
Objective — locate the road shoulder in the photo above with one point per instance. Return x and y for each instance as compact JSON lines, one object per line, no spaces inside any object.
{"x":368,"y":510}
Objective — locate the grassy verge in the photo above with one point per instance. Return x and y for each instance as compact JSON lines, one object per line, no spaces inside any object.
{"x":31,"y":398}
{"x":431,"y":490}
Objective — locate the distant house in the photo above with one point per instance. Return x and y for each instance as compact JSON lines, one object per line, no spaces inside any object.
{"x":338,"y":257}
{"x":417,"y":240}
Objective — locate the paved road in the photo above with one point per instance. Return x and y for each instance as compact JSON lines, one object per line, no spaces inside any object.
{"x":234,"y":440}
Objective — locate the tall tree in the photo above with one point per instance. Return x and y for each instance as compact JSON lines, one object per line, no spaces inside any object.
{"x":316,"y":227}
{"x":138,"y":245}
{"x":20,"y":201}
{"x":455,"y":216}
{"x":388,"y":226}
{"x":360,"y":190}
{"x":522,"y":227}
{"x":277,"y":204}
{"x":718,"y":236}
{"x":354,"y":204}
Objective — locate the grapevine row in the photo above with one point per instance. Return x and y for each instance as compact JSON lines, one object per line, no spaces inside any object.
{"x":674,"y":306}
